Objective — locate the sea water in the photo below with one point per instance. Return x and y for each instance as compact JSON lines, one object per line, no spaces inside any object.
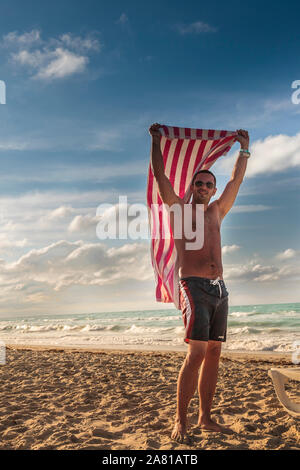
{"x":268,"y":327}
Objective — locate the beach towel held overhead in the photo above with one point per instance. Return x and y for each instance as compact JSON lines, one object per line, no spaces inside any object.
{"x":185,"y":151}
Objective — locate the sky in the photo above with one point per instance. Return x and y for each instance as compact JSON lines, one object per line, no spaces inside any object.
{"x":84,"y":81}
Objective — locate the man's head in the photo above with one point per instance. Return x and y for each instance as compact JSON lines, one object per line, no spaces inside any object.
{"x":203,"y":186}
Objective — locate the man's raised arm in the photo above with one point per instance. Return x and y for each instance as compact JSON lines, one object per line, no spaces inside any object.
{"x":166,"y":190}
{"x":226,"y":200}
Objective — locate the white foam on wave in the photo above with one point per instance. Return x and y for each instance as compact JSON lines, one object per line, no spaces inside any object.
{"x":92,"y":338}
{"x":242,"y":314}
{"x":255,"y":330}
{"x":146,"y":329}
{"x":245,"y":330}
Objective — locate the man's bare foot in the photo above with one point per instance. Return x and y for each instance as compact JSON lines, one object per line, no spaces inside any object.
{"x":179,"y":432}
{"x":211,"y":425}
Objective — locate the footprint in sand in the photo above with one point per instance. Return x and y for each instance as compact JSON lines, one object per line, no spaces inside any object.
{"x":100,"y":431}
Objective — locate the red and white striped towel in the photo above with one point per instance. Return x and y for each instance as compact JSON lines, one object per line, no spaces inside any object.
{"x":185,"y":151}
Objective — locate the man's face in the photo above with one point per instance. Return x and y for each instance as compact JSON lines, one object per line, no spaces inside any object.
{"x":203,"y":188}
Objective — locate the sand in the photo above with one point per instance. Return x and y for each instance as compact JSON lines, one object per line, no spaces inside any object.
{"x":74,"y":399}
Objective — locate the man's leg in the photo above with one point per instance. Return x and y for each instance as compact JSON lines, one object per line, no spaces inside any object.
{"x":187,"y":384}
{"x":207,"y":386}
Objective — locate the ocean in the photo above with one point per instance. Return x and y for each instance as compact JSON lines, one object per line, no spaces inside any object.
{"x":268,"y":327}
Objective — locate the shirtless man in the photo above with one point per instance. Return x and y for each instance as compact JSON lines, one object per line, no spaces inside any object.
{"x":204,"y":297}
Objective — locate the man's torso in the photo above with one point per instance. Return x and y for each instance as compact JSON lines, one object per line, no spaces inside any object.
{"x":207,"y":261}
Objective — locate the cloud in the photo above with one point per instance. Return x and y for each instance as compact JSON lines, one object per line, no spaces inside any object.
{"x":123,"y":19}
{"x":82,"y":135}
{"x":62,"y":63}
{"x":230,"y":249}
{"x":52,"y":64}
{"x":40,"y":216}
{"x":250,"y":272}
{"x":118,"y":221}
{"x":39,"y":202}
{"x":78,"y":43}
{"x":289,"y":253}
{"x":9,"y":244}
{"x":78,"y":173}
{"x":195,"y":28}
{"x":64,"y":264}
{"x":251,"y":208}
{"x":261,"y":272}
{"x":55,"y":58}
{"x":271,"y":105}
{"x":60,"y":213}
{"x":25,"y":39}
{"x":270,"y":155}
{"x":106,"y":139}
{"x":83,"y":223}
{"x":14,"y":144}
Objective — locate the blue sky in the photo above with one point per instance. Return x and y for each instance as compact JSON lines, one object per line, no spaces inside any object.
{"x":83,"y":83}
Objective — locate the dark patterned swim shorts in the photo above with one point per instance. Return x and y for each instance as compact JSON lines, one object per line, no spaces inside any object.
{"x":204,"y":305}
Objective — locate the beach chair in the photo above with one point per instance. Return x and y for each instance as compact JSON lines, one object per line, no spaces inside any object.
{"x":280,"y":377}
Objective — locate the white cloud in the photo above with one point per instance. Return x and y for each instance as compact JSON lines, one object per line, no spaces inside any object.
{"x":272,"y":105}
{"x":230,"y":249}
{"x":249,"y":272}
{"x":52,"y":64}
{"x":25,"y":39}
{"x":261,"y":272}
{"x":14,"y":145}
{"x":251,"y":208}
{"x":123,"y":19}
{"x":39,"y":202}
{"x":37,"y":275}
{"x":83,"y":223}
{"x":54,"y":220}
{"x":119,"y":221}
{"x":195,"y":28}
{"x":52,"y":215}
{"x":84,"y":173}
{"x":64,"y":264}
{"x":270,"y":155}
{"x":81,"y":135}
{"x":40,"y":216}
{"x":62,"y":64}
{"x":35,"y":59}
{"x":51,"y":59}
{"x":60,"y":213}
{"x":78,"y":43}
{"x":289,"y":253}
{"x":9,"y":243}
{"x":106,"y":139}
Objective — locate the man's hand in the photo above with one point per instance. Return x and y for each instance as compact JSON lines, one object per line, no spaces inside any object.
{"x":243,"y":138}
{"x":154,"y":130}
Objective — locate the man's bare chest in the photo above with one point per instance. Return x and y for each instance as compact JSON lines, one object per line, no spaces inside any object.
{"x":210,"y":219}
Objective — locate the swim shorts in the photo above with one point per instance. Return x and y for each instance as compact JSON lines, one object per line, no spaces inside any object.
{"x":204,"y":305}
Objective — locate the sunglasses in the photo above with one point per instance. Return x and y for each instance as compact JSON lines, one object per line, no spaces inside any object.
{"x":200,"y":183}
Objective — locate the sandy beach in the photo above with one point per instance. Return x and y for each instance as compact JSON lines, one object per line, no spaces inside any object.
{"x":62,"y":398}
